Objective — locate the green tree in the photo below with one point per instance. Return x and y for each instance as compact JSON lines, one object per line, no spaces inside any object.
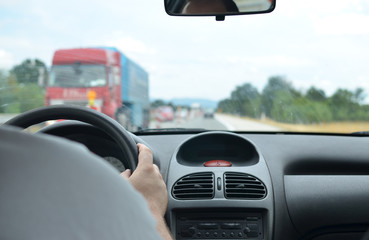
{"x":359,"y":95}
{"x":280,"y":101}
{"x":226,"y":106}
{"x":30,"y":96}
{"x":316,"y":94}
{"x":343,"y":105}
{"x":313,"y":111}
{"x":363,"y":113}
{"x":277,"y":87}
{"x":246,"y":100}
{"x":282,"y":108}
{"x":18,"y":97}
{"x":30,"y":71}
{"x":3,"y":78}
{"x":158,"y":103}
{"x":8,"y":97}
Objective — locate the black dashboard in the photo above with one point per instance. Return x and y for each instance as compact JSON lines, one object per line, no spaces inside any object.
{"x":225,"y":185}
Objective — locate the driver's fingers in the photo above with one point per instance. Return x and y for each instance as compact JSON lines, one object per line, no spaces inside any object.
{"x":158,"y":171}
{"x":144,"y":155}
{"x":126,"y":174}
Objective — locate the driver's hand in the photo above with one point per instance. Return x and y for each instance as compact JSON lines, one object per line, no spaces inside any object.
{"x":148,"y":181}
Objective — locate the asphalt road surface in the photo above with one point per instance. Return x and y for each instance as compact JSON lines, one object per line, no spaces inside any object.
{"x":199,"y":122}
{"x":219,"y":122}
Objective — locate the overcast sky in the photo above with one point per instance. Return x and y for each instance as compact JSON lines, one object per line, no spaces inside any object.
{"x":317,"y":42}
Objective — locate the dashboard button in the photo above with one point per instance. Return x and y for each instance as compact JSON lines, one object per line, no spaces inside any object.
{"x":192,"y":230}
{"x":253,"y":226}
{"x":247,"y":230}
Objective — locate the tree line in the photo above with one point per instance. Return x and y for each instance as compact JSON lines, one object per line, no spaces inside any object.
{"x":281,"y":101}
{"x":22,"y":88}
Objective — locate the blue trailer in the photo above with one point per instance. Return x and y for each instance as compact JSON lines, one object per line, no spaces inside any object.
{"x":135,"y":111}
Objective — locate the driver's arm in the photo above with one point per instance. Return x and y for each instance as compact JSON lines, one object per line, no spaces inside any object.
{"x":147,"y":180}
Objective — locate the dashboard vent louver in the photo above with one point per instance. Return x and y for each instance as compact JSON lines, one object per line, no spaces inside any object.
{"x":243,"y":186}
{"x":194,"y":186}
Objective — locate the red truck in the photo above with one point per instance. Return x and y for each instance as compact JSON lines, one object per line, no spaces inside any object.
{"x":103,"y":79}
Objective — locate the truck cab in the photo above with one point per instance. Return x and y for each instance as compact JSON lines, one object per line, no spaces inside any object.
{"x":103,"y":79}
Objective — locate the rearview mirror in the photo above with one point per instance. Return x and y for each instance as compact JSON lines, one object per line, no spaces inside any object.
{"x":218,"y":8}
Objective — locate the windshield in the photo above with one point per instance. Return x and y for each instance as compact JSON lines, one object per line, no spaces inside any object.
{"x":301,"y":68}
{"x":77,"y":76}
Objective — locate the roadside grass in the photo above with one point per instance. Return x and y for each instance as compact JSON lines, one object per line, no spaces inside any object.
{"x":332,"y":127}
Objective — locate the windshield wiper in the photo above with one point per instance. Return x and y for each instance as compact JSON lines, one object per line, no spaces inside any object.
{"x":154,"y":130}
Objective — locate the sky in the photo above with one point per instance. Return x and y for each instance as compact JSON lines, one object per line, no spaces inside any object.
{"x":312,"y":43}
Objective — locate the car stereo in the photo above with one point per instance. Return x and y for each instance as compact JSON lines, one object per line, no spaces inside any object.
{"x":219,"y":225}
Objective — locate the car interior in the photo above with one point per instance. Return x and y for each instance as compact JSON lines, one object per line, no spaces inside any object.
{"x":222,"y":184}
{"x":261,"y":186}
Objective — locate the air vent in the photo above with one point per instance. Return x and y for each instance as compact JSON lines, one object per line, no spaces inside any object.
{"x":243,"y":186}
{"x":194,"y":186}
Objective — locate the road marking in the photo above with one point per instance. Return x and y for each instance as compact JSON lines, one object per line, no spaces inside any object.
{"x":239,"y":124}
{"x":226,"y":124}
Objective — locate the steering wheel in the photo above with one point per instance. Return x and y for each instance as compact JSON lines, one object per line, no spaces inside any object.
{"x":116,"y":131}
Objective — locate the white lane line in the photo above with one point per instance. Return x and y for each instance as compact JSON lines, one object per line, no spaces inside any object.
{"x":228,"y":126}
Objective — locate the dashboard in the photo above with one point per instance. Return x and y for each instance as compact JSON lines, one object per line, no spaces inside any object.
{"x":225,"y":185}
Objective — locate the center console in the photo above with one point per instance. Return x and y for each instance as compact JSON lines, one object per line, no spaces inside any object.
{"x":220,"y":188}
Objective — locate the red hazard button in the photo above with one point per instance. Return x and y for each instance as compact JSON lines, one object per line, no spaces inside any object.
{"x":217,"y":163}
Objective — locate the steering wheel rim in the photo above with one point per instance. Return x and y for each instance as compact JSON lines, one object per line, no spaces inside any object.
{"x":83,"y":114}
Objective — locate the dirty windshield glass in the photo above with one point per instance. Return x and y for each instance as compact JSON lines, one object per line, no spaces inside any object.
{"x":301,"y":68}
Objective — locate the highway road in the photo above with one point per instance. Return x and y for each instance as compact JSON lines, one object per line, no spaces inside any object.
{"x":234,"y":123}
{"x":199,"y":122}
{"x":219,"y":122}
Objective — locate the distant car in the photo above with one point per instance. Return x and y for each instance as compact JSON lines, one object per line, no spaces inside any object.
{"x":164,"y":114}
{"x":209,"y":114}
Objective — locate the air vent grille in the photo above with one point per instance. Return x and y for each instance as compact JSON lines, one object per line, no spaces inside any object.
{"x":194,"y":186}
{"x":243,"y":186}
